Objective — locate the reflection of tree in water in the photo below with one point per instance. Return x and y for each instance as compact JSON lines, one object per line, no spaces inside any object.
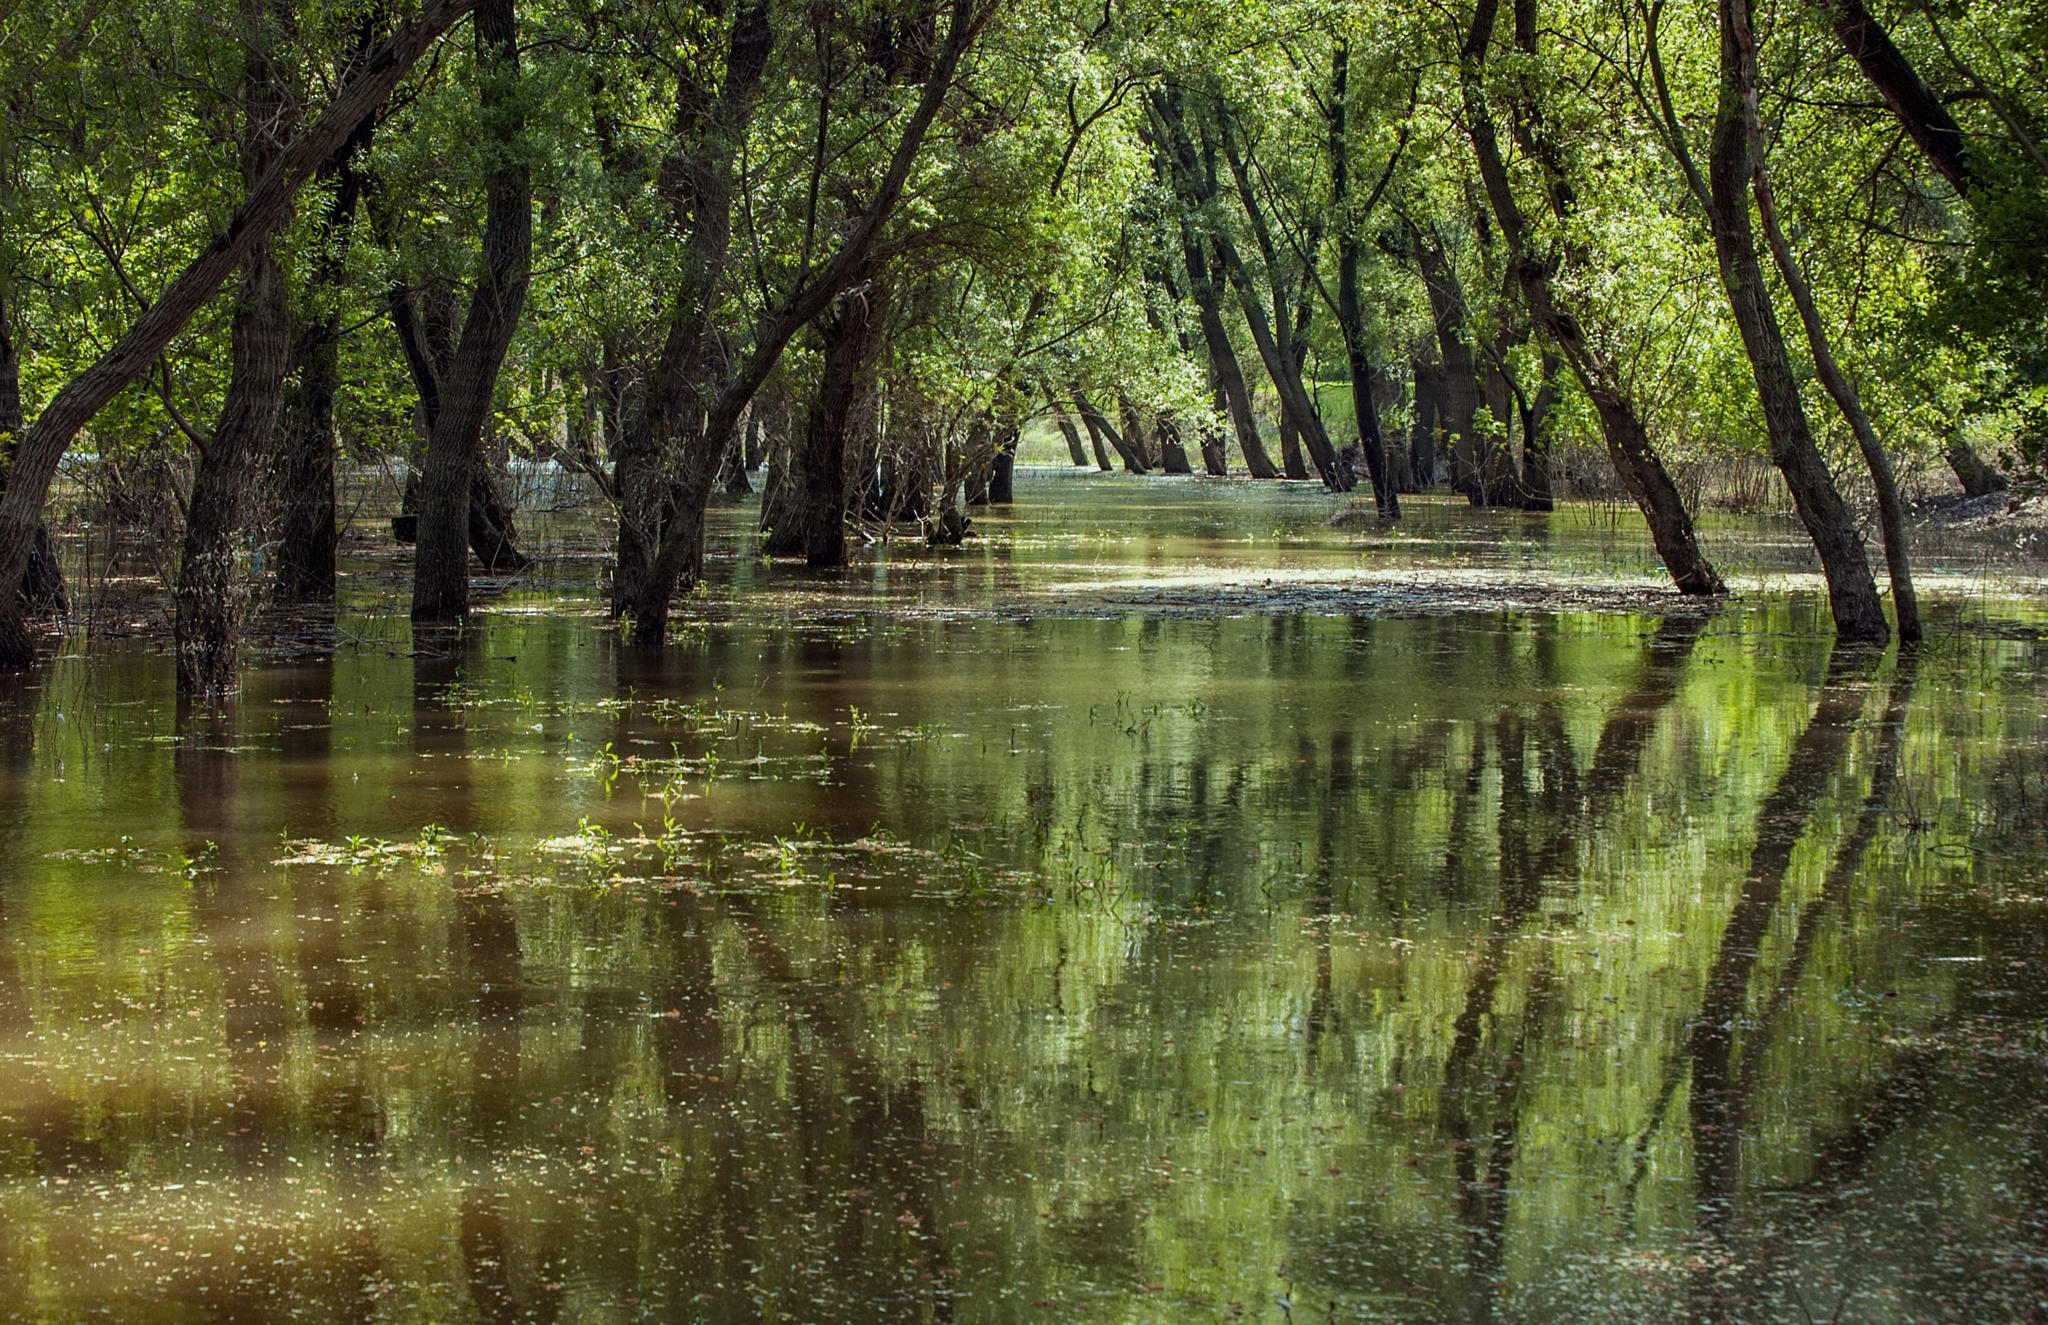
{"x":53,"y":1125}
{"x":1547,"y":809}
{"x":1539,"y":833}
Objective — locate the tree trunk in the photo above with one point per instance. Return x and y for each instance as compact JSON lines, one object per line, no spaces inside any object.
{"x":811,"y":504}
{"x":1100,"y":426}
{"x":263,"y":209}
{"x":1891,"y":509}
{"x":1852,"y":593}
{"x":42,"y":585}
{"x":208,"y":621}
{"x":304,"y":471}
{"x":440,"y":587}
{"x":1065,"y":423}
{"x":1536,"y":492}
{"x":1350,"y":314}
{"x":733,"y":469}
{"x":680,"y":557}
{"x":1292,"y":465}
{"x":1134,"y":432}
{"x":1978,"y":479}
{"x":1641,"y":470}
{"x":1173,"y":454}
{"x":1456,"y":379}
{"x":1225,"y":371}
{"x":1002,"y":474}
{"x":1423,"y":419}
{"x":1091,"y":422}
{"x":1280,"y":349}
{"x":1925,"y":119}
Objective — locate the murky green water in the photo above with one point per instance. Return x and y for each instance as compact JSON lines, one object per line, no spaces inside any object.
{"x":1038,"y":932}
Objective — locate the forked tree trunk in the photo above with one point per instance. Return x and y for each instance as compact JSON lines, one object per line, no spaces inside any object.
{"x":207,"y":628}
{"x":440,"y":587}
{"x":1225,"y":370}
{"x":1852,"y":593}
{"x":263,"y":209}
{"x":1173,"y":453}
{"x":1350,"y":312}
{"x":1456,"y":377}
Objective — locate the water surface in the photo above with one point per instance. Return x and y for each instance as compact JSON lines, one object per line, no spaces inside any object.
{"x":1070,"y":926}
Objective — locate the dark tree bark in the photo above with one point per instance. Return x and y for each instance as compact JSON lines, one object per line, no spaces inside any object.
{"x":1065,"y":423}
{"x":1891,"y":507}
{"x":1134,"y":431}
{"x":263,"y":209}
{"x":1642,"y":471}
{"x":1350,"y":315}
{"x":810,"y":515}
{"x":732,"y":471}
{"x":1282,"y":350}
{"x":440,"y":587}
{"x":42,"y":586}
{"x":1225,"y":370}
{"x":1100,"y":426}
{"x":304,"y":469}
{"x":1002,"y":474}
{"x":1536,"y":490}
{"x":208,"y":622}
{"x":679,"y":560}
{"x":1423,"y":420}
{"x":1455,"y":379}
{"x":1092,"y":422}
{"x":1173,"y":453}
{"x":1925,"y":119}
{"x":1852,"y":593}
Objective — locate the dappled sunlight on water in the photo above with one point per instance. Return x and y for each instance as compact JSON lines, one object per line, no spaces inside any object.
{"x":997,"y":962}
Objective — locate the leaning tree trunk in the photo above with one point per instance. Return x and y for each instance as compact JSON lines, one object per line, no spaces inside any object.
{"x":208,"y":622}
{"x":1174,"y":168}
{"x":680,"y":558}
{"x":1099,"y":425}
{"x":1890,"y":508}
{"x":1921,"y":113}
{"x":264,"y":208}
{"x":1092,"y":423}
{"x":1852,"y":593}
{"x":440,"y":587}
{"x":1641,"y":469}
{"x":1075,"y":451}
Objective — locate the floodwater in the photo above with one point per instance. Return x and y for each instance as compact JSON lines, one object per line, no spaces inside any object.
{"x":1169,"y":907}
